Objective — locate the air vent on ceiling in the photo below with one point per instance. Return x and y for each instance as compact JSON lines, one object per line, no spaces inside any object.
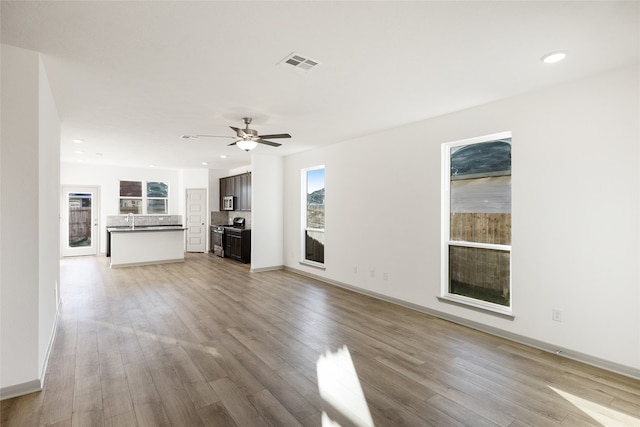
{"x":299,"y":62}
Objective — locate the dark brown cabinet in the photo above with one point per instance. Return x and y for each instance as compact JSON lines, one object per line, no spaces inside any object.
{"x":238,"y":186}
{"x":227,"y":187}
{"x":244,"y":194}
{"x":237,"y":244}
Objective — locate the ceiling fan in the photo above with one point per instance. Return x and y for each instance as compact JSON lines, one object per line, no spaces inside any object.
{"x":249,"y":138}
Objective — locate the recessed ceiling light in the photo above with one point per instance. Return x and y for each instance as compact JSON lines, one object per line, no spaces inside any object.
{"x":205,"y":163}
{"x":79,"y":152}
{"x":151,"y":166}
{"x":78,"y":141}
{"x":553,"y":57}
{"x":223,"y":156}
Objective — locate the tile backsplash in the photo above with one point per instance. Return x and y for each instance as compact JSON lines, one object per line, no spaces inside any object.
{"x":142,"y":220}
{"x":219,"y":218}
{"x":226,"y":217}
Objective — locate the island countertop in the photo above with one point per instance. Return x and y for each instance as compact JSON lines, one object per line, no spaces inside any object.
{"x":154,"y":244}
{"x":145,"y":228}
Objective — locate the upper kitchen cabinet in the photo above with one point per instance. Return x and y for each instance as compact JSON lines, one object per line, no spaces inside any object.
{"x":227,"y":188}
{"x":244,"y":196}
{"x":238,"y":186}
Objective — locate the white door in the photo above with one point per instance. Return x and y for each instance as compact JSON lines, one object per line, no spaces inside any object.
{"x":80,"y":216}
{"x":196,"y":219}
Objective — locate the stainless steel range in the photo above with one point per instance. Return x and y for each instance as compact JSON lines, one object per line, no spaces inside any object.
{"x":218,"y":234}
{"x":218,"y":240}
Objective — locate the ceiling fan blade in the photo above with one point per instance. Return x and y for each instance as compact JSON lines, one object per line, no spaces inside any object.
{"x":276,"y":135}
{"x":233,"y":143}
{"x":271,"y":143}
{"x":239,"y":132}
{"x":213,"y":136}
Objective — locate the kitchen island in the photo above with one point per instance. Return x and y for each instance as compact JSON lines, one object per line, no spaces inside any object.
{"x":129,"y":246}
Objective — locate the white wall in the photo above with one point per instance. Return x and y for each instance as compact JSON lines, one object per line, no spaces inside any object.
{"x":29,"y":256}
{"x":48,"y":214}
{"x":242,"y":169}
{"x":575,"y":189}
{"x":214,"y":188}
{"x":195,"y":178}
{"x":266,"y":212}
{"x":108,"y":179}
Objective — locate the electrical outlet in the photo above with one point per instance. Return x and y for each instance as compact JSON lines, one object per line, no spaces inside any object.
{"x":385,"y":276}
{"x":372,"y":273}
{"x":556,"y":315}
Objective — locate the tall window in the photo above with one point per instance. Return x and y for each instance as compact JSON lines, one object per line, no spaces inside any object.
{"x":154,"y":199}
{"x":313,"y":208}
{"x":477,"y":222}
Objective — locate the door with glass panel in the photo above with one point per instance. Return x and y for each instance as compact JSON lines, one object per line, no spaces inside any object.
{"x":80,"y":219}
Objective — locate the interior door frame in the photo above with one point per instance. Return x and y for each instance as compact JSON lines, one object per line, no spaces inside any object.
{"x":94,"y":249}
{"x":203,"y":223}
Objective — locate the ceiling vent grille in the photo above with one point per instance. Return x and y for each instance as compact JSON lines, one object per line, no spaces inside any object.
{"x":299,"y":62}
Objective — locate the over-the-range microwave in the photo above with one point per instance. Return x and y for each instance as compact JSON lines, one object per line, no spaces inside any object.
{"x":228,"y":203}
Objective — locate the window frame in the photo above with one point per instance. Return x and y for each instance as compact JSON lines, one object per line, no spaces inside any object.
{"x":144,"y":198}
{"x":148,"y":198}
{"x":446,"y":241}
{"x":303,"y":217}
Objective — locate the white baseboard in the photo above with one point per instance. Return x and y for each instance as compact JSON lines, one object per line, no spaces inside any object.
{"x":52,"y":339}
{"x":37,"y":384}
{"x":541,"y":345}
{"x":260,"y":270}
{"x":20,"y":389}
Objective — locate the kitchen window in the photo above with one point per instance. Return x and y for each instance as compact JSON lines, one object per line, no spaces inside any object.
{"x":157,"y":197}
{"x":476,"y":232}
{"x":313,"y":214}
{"x":154,"y":199}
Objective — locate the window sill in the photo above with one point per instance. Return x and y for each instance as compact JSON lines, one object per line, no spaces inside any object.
{"x":313,"y":264}
{"x":485,"y":307}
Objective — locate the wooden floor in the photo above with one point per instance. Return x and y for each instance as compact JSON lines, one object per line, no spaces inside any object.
{"x":208,"y":343}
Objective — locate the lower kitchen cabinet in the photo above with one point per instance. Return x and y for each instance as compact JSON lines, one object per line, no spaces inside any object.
{"x":237,"y":244}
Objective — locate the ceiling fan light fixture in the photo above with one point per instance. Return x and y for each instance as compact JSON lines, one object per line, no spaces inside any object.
{"x":246,"y":144}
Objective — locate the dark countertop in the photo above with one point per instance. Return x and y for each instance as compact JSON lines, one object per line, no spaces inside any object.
{"x":230,"y":226}
{"x":145,"y":228}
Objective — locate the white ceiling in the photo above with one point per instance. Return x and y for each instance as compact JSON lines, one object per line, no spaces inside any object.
{"x":130,"y":78}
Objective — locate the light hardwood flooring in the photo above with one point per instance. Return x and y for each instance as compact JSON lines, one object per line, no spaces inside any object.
{"x":206,"y":342}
